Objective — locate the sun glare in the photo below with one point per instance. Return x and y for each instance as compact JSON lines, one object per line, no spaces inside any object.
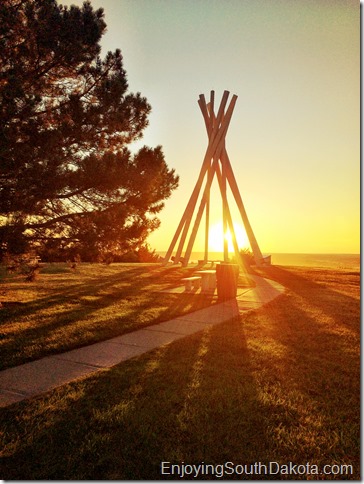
{"x":216,"y":238}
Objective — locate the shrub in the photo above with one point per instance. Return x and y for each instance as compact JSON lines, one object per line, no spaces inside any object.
{"x":25,"y":264}
{"x":247,"y":257}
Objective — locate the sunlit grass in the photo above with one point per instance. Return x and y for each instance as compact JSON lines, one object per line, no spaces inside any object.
{"x":281,"y":384}
{"x":65,"y":309}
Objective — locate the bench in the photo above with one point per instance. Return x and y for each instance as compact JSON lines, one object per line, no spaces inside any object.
{"x":192,"y":282}
{"x":208,"y":280}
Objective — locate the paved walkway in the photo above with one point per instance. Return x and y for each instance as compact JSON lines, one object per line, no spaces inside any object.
{"x":31,"y":379}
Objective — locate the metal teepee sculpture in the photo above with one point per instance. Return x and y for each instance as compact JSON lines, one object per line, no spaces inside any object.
{"x":216,"y":162}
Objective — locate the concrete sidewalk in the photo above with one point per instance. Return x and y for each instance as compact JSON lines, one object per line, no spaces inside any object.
{"x":40,"y":376}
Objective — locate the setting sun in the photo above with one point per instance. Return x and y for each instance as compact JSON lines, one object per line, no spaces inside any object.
{"x":216,"y":238}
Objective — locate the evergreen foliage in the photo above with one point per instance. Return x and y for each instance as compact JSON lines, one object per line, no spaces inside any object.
{"x":68,"y":178}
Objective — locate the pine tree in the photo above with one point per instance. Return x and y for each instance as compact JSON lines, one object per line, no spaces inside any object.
{"x":68,"y":177}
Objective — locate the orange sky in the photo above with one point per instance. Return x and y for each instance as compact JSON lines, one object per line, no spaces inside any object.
{"x":294,"y":139}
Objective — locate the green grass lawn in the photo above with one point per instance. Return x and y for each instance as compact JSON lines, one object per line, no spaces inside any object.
{"x":280,"y":384}
{"x":65,"y":309}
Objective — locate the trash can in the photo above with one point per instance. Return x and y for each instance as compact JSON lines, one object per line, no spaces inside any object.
{"x":226,"y":280}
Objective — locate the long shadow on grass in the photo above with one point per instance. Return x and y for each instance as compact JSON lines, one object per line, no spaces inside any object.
{"x":321,"y":295}
{"x":318,"y":325}
{"x":128,"y":296}
{"x":218,"y":396}
{"x":131,"y":278}
{"x":192,"y":402}
{"x":318,"y":329}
